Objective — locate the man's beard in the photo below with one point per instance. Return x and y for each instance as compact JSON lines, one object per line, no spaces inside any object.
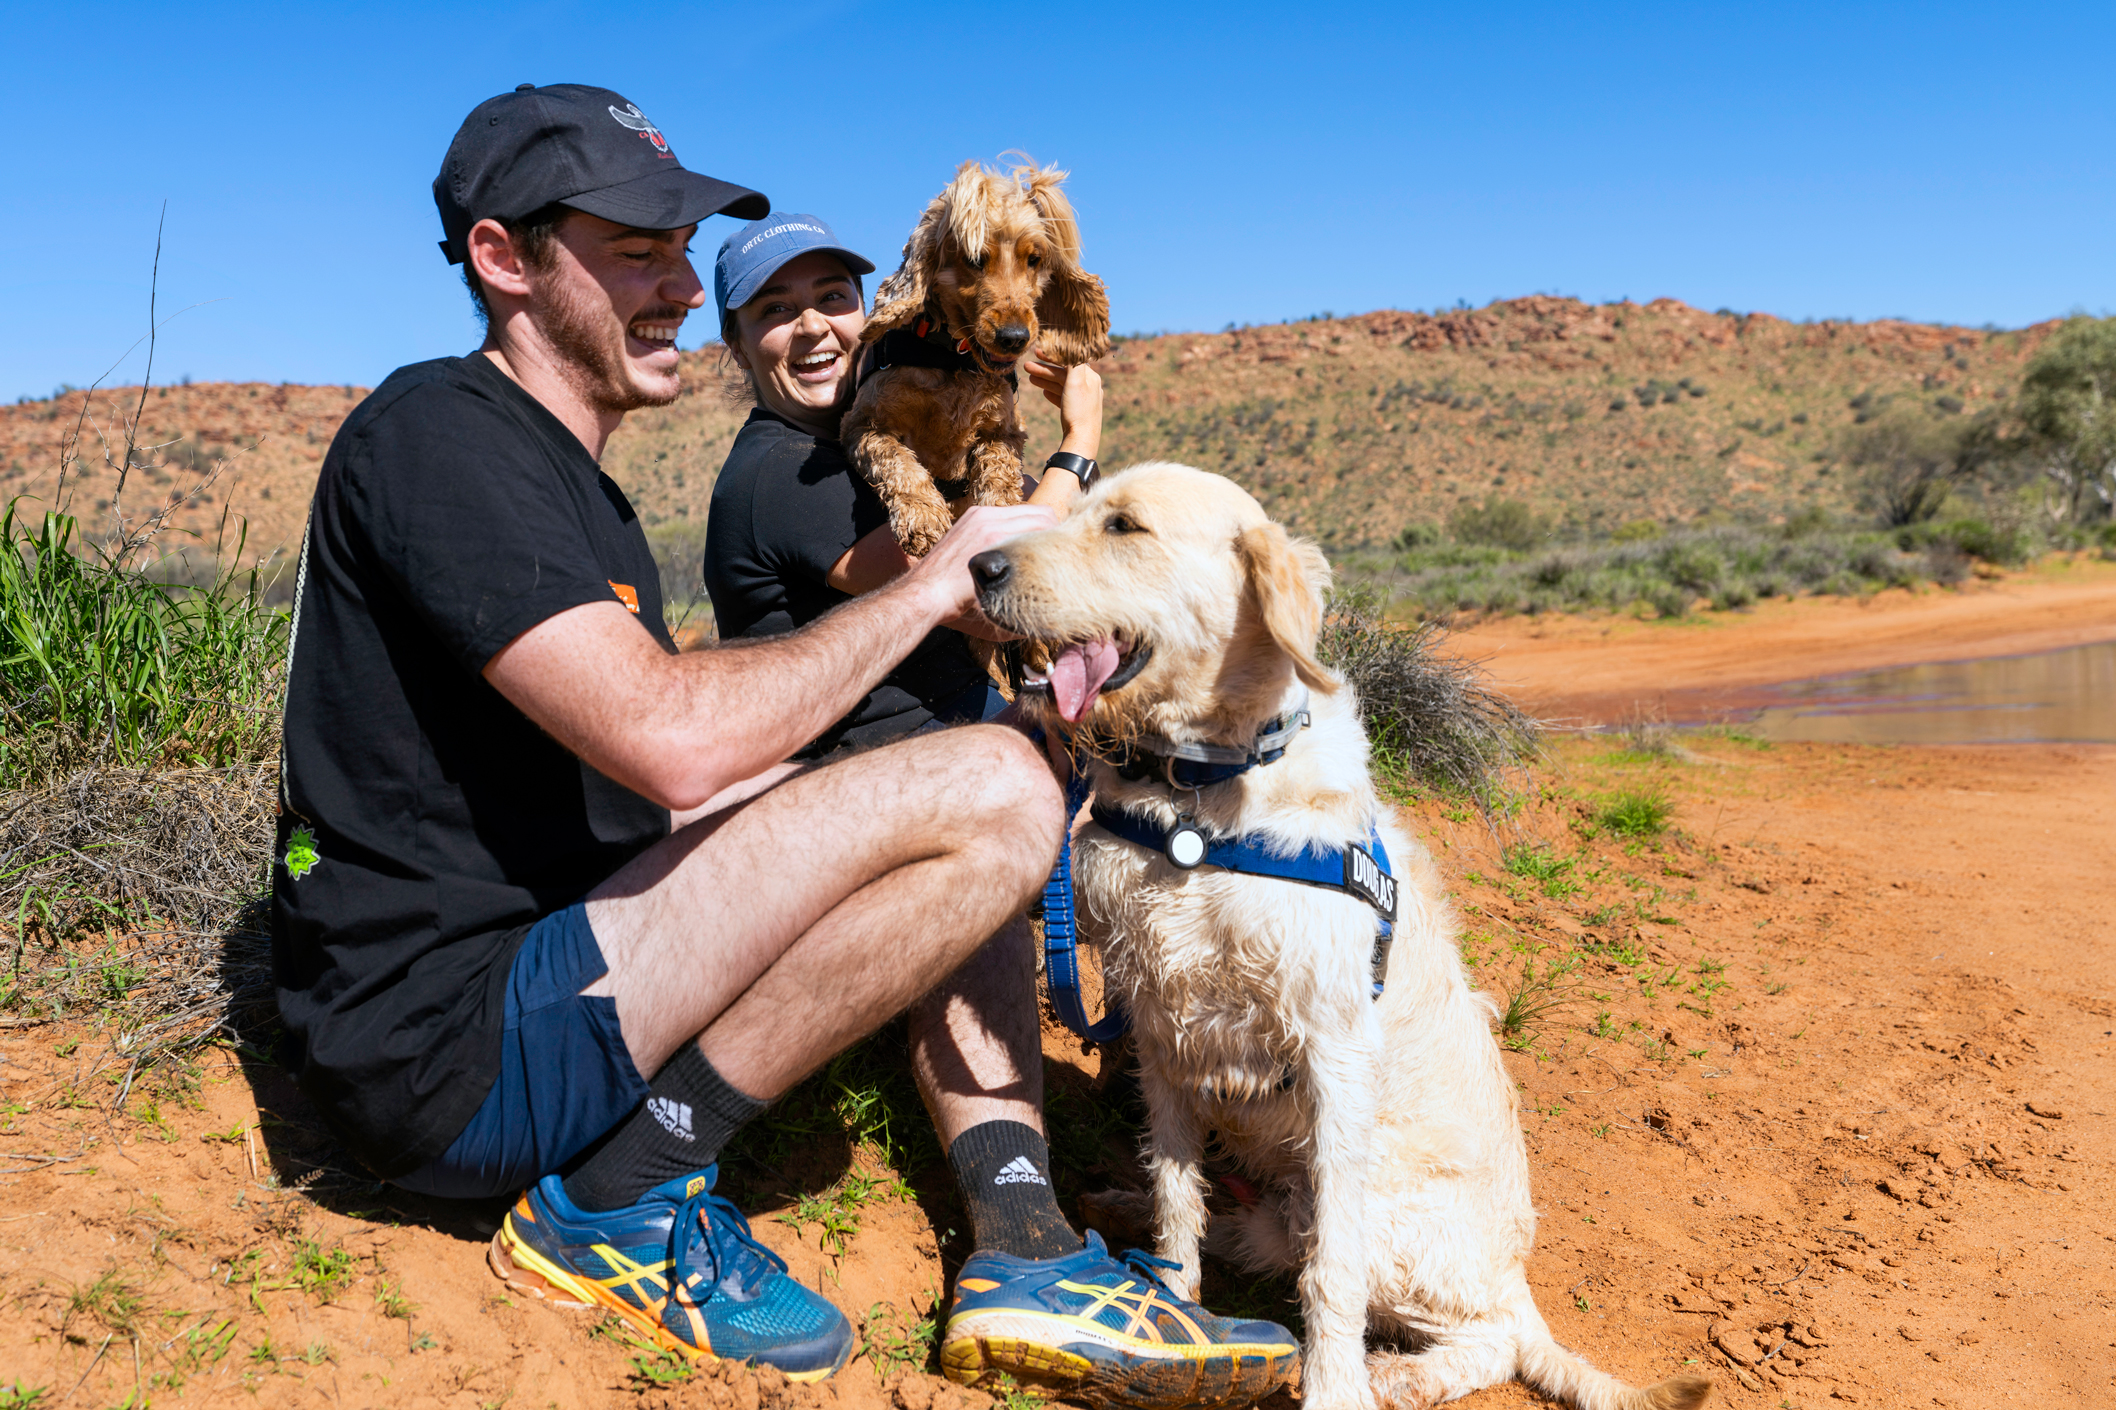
{"x":578,"y":325}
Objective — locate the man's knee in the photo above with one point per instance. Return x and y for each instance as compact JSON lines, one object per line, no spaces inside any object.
{"x":1005,"y":789}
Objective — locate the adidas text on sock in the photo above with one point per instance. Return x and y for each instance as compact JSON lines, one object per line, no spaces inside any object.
{"x":689,"y":1114}
{"x":1004,"y":1168}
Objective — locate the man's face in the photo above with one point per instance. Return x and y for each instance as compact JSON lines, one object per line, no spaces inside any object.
{"x":610,"y":298}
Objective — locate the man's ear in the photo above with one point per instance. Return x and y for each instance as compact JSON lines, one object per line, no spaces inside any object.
{"x":498,"y":264}
{"x":1287,"y":579}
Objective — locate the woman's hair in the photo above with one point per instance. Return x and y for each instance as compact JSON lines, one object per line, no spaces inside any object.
{"x":738,"y":385}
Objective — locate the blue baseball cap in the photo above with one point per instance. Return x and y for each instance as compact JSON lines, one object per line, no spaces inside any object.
{"x":755,"y":252}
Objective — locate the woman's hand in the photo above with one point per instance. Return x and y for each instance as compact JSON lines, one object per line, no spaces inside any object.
{"x":1077,"y":393}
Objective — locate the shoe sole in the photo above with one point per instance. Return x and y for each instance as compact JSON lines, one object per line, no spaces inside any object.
{"x":525,"y":1270}
{"x":1149,"y":1377}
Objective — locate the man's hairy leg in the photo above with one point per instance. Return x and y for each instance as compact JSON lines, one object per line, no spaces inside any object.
{"x":782,"y":931}
{"x":798,"y":922}
{"x":976,"y":1043}
{"x":977,"y":1051}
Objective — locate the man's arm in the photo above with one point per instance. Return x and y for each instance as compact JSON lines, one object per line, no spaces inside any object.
{"x":680,"y":729}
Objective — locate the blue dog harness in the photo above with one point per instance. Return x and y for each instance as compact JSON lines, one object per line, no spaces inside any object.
{"x":1354,"y":870}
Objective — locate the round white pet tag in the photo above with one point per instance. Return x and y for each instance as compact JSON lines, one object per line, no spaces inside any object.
{"x":1185,"y":846}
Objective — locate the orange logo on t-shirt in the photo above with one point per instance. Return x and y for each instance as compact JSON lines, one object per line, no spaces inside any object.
{"x":626,"y":594}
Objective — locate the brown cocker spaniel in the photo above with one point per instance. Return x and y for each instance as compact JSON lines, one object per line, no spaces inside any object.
{"x":991,"y":272}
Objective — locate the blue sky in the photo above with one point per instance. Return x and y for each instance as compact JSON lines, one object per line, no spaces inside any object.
{"x":1231,"y":163}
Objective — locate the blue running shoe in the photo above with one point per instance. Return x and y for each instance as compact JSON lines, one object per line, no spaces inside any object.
{"x":681,"y":1267}
{"x":1093,"y":1328}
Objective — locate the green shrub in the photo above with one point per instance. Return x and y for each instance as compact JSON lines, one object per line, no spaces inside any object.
{"x":1502,"y":523}
{"x":1430,"y":716}
{"x":1635,"y":812}
{"x":101,"y":664}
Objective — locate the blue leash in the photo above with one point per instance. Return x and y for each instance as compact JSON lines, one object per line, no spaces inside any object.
{"x":1061,"y":961}
{"x":1357,"y":871}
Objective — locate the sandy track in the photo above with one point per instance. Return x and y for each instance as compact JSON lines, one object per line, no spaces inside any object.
{"x":1596,"y":670}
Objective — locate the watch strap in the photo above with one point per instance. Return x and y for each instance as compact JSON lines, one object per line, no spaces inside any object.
{"x":1082,"y":469}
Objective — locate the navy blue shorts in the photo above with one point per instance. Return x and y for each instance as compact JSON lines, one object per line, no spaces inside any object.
{"x":565,"y":1078}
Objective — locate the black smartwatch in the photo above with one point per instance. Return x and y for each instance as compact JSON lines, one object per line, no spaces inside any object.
{"x":1083,"y":469}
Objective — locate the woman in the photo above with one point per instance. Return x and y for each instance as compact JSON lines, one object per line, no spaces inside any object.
{"x":794,"y":529}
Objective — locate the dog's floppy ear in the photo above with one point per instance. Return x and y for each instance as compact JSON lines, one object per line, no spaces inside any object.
{"x":1074,"y":311}
{"x":1287,"y":579}
{"x":902,"y":296}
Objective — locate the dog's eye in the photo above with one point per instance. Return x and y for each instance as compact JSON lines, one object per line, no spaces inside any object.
{"x":1035,"y":260}
{"x":1123,"y":524}
{"x":974,"y":261}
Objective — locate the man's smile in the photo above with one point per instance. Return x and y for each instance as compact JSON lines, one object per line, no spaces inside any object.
{"x":656,"y":335}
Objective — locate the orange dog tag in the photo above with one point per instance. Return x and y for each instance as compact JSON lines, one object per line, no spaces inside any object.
{"x":626,"y":594}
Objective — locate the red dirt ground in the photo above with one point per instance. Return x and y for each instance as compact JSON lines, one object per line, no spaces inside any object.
{"x":1825,"y":1108}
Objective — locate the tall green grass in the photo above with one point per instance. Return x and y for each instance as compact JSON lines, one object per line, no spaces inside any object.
{"x":102,"y":665}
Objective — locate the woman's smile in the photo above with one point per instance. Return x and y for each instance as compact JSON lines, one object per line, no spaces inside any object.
{"x":818,"y":368}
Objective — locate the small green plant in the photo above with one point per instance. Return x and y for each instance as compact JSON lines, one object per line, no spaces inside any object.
{"x":390,"y":1301}
{"x":891,"y":1344}
{"x":1628,"y":953}
{"x":1603,"y":1028}
{"x":1635,"y":812}
{"x":838,"y":1209}
{"x":653,"y":1368}
{"x":1531,"y":1001}
{"x":1601,"y":1132}
{"x":113,"y":1301}
{"x":1536,"y":862}
{"x":17,"y":1396}
{"x":1582,"y":1304}
{"x":1012,"y":1395}
{"x":424,"y":1341}
{"x":320,"y":1272}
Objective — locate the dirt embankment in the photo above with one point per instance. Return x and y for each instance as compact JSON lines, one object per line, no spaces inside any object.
{"x":1826,"y":1107}
{"x":1600,"y":670}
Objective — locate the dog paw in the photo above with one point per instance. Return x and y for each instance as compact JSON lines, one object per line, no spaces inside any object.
{"x":1124,"y":1218}
{"x":918,"y":527}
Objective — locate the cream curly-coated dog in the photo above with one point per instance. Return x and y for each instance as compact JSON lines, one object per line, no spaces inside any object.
{"x":1382,"y":1134}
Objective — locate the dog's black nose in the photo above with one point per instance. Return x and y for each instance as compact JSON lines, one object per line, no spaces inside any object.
{"x":990,"y":569}
{"x":1012,"y":338}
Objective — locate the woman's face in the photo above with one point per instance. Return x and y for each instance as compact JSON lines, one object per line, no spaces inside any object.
{"x":800,"y":336}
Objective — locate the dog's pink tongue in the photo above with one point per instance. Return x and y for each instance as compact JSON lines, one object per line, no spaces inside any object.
{"x":1078,"y":673}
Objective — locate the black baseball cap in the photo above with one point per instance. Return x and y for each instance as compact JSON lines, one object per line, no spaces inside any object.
{"x":584,"y":147}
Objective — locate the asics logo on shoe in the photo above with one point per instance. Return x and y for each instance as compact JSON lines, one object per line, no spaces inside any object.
{"x":1019,"y":1171}
{"x":674,"y":1116}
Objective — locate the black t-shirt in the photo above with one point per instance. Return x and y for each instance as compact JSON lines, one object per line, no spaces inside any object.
{"x":430,"y":821}
{"x":785,"y":508}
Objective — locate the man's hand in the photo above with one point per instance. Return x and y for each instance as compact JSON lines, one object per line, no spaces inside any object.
{"x":942,"y":577}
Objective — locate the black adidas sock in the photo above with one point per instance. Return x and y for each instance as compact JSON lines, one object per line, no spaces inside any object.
{"x":689,"y":1114}
{"x":1004,"y":1168}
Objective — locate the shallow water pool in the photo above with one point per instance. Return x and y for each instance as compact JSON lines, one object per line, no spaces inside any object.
{"x":2049,"y":697}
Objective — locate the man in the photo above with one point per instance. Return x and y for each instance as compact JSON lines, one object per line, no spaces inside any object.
{"x":551,"y":911}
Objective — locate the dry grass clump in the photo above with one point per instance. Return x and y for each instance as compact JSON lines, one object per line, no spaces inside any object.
{"x":137,"y":895}
{"x":1431,"y":717}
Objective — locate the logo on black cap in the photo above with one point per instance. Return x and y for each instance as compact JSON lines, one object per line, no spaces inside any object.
{"x":631,"y":117}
